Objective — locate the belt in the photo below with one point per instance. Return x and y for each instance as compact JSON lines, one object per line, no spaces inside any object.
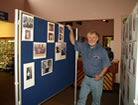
{"x":93,"y":76}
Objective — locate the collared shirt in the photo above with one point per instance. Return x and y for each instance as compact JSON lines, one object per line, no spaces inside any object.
{"x":94,"y":59}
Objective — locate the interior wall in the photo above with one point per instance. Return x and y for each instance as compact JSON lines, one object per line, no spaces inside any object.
{"x":6,"y":29}
{"x":103,"y":28}
{"x":9,"y":6}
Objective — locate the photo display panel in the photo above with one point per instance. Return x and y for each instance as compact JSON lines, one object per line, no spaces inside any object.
{"x":47,"y":59}
{"x":129,"y":73}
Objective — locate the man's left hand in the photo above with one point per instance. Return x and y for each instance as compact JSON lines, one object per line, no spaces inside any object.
{"x":97,"y":78}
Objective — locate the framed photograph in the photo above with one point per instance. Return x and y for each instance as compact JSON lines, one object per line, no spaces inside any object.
{"x":130,"y":49}
{"x":134,"y":52}
{"x":107,"y":41}
{"x":39,"y":50}
{"x":122,"y":66}
{"x":126,"y":32}
{"x":29,"y":73}
{"x":124,"y":83}
{"x":134,"y":19}
{"x":46,"y":66}
{"x":126,"y":51}
{"x":134,"y":66}
{"x":130,"y":27}
{"x":123,"y":33}
{"x":51,"y":32}
{"x":61,"y":33}
{"x":128,"y":88}
{"x":27,"y":27}
{"x":60,"y":51}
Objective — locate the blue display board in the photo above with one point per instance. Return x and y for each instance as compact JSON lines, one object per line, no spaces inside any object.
{"x":63,"y":68}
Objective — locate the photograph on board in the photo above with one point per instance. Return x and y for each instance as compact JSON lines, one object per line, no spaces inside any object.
{"x":46,"y":66}
{"x":60,"y":51}
{"x":134,"y":66}
{"x":126,"y":32}
{"x":27,"y":27}
{"x":133,"y":57}
{"x":128,"y":88}
{"x":39,"y":50}
{"x":124,"y":83}
{"x":123,"y":33}
{"x":51,"y":32}
{"x":61,"y":33}
{"x":130,"y":27}
{"x":29,"y":79}
{"x":134,"y":19}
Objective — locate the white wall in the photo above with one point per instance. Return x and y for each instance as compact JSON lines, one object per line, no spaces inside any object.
{"x":6,"y":29}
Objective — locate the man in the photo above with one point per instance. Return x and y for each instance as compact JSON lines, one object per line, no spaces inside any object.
{"x":95,"y":64}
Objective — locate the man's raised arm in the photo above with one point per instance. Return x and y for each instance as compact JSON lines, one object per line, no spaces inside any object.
{"x":72,"y":37}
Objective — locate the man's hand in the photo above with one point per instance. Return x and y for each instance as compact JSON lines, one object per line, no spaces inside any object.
{"x":69,"y":27}
{"x":97,"y":77}
{"x":72,"y":38}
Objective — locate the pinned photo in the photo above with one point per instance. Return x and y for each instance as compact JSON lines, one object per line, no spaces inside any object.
{"x":61,"y":33}
{"x":29,"y":79}
{"x":51,"y":32}
{"x":60,"y":51}
{"x":27,"y":27}
{"x":46,"y":66}
{"x":28,"y":73}
{"x":39,"y":50}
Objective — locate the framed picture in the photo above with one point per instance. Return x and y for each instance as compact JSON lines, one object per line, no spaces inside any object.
{"x":60,"y":51}
{"x":27,"y":27}
{"x":51,"y":32}
{"x":130,"y":27}
{"x":29,"y":73}
{"x":46,"y":66}
{"x":39,"y":50}
{"x":134,"y":23}
{"x":61,"y":33}
{"x":106,"y":41}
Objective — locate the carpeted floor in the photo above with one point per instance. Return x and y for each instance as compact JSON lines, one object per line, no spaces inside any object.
{"x":7,"y":88}
{"x":65,"y":97}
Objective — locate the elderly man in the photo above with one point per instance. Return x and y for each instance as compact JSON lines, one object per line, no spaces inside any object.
{"x":95,"y":64}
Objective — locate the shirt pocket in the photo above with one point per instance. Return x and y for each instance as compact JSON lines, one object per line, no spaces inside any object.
{"x":96,"y":60}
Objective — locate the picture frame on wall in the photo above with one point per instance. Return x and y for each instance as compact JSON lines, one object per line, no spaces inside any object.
{"x":106,"y":41}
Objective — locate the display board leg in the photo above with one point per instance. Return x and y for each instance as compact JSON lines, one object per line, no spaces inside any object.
{"x":15,"y":51}
{"x":76,"y":58}
{"x":16,"y":60}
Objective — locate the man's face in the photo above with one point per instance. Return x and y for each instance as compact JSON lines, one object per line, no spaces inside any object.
{"x":92,"y":39}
